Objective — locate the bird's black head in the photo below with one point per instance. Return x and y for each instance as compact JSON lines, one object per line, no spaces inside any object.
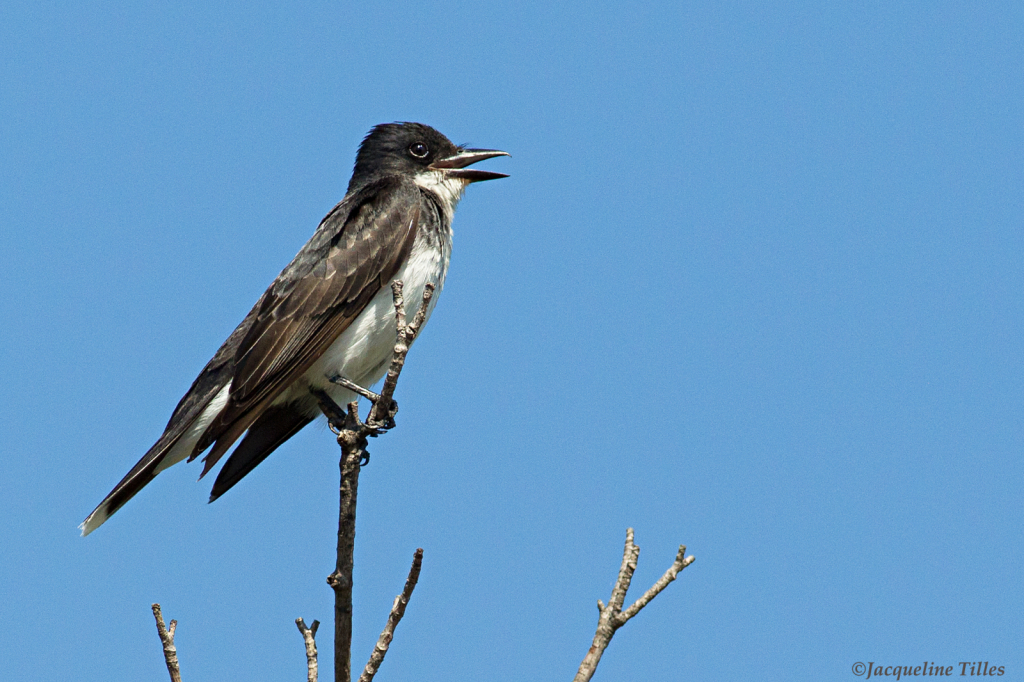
{"x":413,"y":148}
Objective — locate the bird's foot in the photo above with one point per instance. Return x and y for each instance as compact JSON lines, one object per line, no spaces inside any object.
{"x":351,"y":431}
{"x":377,"y":425}
{"x":382,"y":420}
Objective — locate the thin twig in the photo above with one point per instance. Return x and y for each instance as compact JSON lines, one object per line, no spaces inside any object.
{"x":382,"y":412}
{"x":612,"y":617}
{"x":397,"y":611}
{"x":681,"y":562}
{"x":630,"y":554}
{"x":309,"y":636}
{"x":352,"y":437}
{"x":167,"y":639}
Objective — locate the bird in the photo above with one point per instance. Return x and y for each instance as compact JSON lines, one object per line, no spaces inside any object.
{"x":329,"y":315}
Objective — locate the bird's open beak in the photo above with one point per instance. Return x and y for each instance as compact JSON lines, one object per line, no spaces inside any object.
{"x":455,"y":165}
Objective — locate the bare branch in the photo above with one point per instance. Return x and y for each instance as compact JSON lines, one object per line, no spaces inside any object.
{"x":309,"y":636}
{"x":352,"y":437}
{"x":381,"y":414}
{"x":630,"y":554}
{"x":612,"y":617}
{"x":681,"y":562}
{"x":167,"y":639}
{"x":397,"y":611}
{"x":421,"y":314}
{"x":399,"y":301}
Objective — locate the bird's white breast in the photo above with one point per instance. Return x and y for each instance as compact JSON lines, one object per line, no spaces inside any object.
{"x":363,"y":351}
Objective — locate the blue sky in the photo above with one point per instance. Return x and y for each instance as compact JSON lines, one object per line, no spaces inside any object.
{"x":753,"y":286}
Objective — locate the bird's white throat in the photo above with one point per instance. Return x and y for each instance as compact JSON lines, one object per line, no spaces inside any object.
{"x":448,"y":189}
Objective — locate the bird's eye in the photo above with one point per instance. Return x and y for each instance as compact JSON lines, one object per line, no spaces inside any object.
{"x":419,"y":150}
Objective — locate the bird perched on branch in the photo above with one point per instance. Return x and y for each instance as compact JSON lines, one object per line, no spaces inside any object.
{"x":328,"y":317}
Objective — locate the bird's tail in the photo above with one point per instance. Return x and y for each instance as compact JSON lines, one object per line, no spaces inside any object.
{"x":178,"y":442}
{"x":136,"y":479}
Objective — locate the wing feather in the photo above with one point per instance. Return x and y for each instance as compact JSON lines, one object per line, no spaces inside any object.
{"x":356,"y":250}
{"x":315,"y":299}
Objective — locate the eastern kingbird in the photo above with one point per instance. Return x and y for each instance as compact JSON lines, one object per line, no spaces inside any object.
{"x":329,"y":314}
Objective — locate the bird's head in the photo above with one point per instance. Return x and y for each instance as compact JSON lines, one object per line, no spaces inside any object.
{"x":420,"y":152}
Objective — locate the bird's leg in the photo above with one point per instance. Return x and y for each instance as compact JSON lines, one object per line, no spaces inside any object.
{"x":382,"y":415}
{"x":351,"y":431}
{"x":337,"y":418}
{"x":389,"y":420}
{"x":355,"y":388}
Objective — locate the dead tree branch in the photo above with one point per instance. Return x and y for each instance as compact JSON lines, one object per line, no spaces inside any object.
{"x":382,"y":414}
{"x":613,"y":617}
{"x":352,"y":437}
{"x":309,"y":636}
{"x":167,"y":639}
{"x":397,"y":611}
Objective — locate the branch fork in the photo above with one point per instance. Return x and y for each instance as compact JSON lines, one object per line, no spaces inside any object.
{"x":384,"y":408}
{"x":167,"y":639}
{"x":613,"y":616}
{"x":352,"y":435}
{"x":383,"y":642}
{"x":309,"y":637}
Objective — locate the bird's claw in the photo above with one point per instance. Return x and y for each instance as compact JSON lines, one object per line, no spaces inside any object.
{"x":379,"y":427}
{"x":388,"y":422}
{"x":376,"y":426}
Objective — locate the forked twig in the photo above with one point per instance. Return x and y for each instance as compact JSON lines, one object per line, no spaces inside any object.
{"x":352,"y":437}
{"x":612,"y":617}
{"x":167,"y":639}
{"x":381,"y":413}
{"x":309,"y":637}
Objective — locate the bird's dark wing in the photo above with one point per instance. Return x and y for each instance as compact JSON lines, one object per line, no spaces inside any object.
{"x":357,"y":250}
{"x":275,"y":425}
